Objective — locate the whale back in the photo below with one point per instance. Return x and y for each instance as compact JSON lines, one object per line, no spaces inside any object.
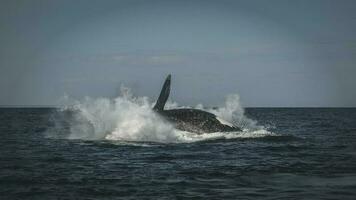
{"x":163,"y":96}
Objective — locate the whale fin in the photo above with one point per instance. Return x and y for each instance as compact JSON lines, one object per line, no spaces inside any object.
{"x":163,"y":96}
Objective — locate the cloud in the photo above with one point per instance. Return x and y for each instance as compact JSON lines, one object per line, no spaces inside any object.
{"x":154,"y":59}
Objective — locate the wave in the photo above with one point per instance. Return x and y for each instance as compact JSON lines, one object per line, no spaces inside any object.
{"x":131,"y":118}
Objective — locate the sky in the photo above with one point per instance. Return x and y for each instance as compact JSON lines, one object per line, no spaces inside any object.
{"x":275,"y":53}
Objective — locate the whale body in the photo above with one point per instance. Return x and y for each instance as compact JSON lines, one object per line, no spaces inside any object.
{"x":191,"y":120}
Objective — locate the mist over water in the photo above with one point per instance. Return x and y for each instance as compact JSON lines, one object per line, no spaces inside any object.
{"x":131,"y":118}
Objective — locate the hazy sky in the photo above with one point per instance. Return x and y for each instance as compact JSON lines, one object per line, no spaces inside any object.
{"x":272,"y":53}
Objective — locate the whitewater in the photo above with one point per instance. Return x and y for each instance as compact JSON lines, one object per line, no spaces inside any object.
{"x":131,"y":118}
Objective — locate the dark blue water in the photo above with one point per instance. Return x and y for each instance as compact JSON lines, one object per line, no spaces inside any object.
{"x":314,"y":157}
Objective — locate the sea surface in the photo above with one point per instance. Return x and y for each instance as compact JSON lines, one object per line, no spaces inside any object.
{"x":311,"y":155}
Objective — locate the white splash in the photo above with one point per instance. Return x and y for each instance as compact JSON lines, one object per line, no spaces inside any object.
{"x":232,"y":113}
{"x":130,"y":118}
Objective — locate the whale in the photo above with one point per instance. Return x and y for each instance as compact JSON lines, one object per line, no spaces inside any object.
{"x":188,"y":119}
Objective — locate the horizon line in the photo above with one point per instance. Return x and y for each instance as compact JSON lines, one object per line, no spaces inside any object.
{"x":58,"y":106}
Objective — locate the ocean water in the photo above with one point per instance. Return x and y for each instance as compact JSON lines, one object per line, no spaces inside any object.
{"x":283,"y":153}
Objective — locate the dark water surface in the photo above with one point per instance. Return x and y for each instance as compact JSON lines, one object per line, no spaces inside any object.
{"x":313,"y":158}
